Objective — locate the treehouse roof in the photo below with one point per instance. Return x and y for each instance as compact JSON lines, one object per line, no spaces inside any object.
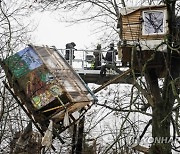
{"x":129,"y":10}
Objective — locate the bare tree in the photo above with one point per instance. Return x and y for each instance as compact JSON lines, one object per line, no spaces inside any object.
{"x":13,"y":35}
{"x":151,"y":99}
{"x":157,"y":103}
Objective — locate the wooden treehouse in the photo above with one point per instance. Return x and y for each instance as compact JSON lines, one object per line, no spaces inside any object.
{"x":143,"y":31}
{"x":47,"y":88}
{"x":50,"y":91}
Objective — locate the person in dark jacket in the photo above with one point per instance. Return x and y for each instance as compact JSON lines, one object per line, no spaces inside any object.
{"x":70,"y":47}
{"x":98,"y":57}
{"x":111,"y":54}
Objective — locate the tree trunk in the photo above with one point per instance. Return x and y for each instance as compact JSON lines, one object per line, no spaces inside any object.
{"x":74,"y":137}
{"x":163,"y":104}
{"x":80,"y":136}
{"x":161,"y":114}
{"x":161,"y":128}
{"x":77,"y":138}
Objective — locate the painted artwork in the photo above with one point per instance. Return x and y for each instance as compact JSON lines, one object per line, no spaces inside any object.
{"x":23,"y":62}
{"x":30,"y":57}
{"x":33,"y":77}
{"x":153,"y":22}
{"x":17,"y":66}
{"x":53,"y":91}
{"x":38,"y":85}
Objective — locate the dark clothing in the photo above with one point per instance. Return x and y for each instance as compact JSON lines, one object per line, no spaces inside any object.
{"x":70,"y":51}
{"x":103,"y":71}
{"x":97,"y":60}
{"x":97,"y":63}
{"x":111,"y":55}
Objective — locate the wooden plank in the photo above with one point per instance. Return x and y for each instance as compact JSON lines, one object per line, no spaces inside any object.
{"x":153,"y":37}
{"x":132,"y":21}
{"x":133,"y":17}
{"x":133,"y":29}
{"x":131,"y":26}
{"x":112,"y":81}
{"x":131,"y":37}
{"x":131,"y":32}
{"x":75,"y":107}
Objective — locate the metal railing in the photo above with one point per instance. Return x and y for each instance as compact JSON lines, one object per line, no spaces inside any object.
{"x":85,"y":59}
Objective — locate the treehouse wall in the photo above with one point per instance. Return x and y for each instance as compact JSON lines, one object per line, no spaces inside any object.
{"x":46,"y":84}
{"x":143,"y":29}
{"x":132,"y":25}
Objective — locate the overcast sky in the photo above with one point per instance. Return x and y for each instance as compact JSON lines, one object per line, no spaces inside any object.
{"x":50,"y":32}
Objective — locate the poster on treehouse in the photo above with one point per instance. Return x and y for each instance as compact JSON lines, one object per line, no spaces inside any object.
{"x":23,"y":62}
{"x":33,"y":77}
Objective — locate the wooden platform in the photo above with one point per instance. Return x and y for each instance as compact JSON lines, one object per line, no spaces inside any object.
{"x":93,"y":76}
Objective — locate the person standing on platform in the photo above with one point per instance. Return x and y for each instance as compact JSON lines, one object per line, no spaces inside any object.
{"x":70,"y":47}
{"x":111,"y":55}
{"x":98,"y":57}
{"x":110,"y":60}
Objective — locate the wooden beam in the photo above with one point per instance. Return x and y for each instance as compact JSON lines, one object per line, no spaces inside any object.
{"x":112,"y":81}
{"x":24,"y":109}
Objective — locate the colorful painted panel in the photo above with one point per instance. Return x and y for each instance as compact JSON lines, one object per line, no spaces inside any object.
{"x":51,"y":93}
{"x":35,"y":81}
{"x":47,"y":80}
{"x":40,"y":87}
{"x":17,"y":66}
{"x":30,"y":57}
{"x":23,"y":62}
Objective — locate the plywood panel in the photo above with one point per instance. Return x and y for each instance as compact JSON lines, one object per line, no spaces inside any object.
{"x":131,"y":26}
